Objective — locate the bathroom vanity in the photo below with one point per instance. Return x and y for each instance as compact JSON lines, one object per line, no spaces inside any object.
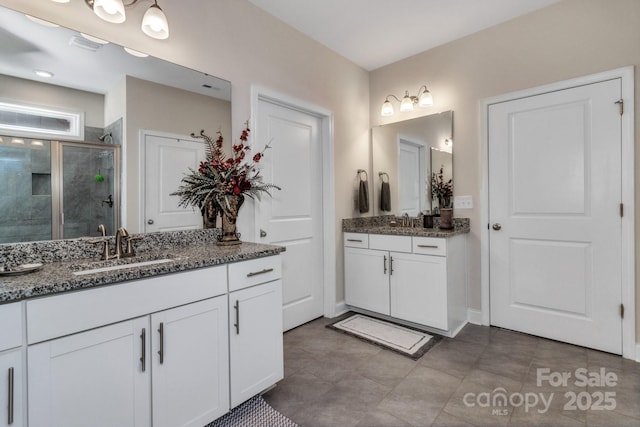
{"x":415,"y":276}
{"x":169,"y":343}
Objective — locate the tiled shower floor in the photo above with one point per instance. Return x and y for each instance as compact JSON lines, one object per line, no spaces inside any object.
{"x":332,"y":379}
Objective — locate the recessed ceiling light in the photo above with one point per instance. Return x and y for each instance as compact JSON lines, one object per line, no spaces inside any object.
{"x":135,"y":53}
{"x":17,"y":141}
{"x":43,"y":73}
{"x":41,"y":21}
{"x":94,"y":39}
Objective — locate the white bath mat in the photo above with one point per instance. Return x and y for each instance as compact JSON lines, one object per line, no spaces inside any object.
{"x":401,"y":339}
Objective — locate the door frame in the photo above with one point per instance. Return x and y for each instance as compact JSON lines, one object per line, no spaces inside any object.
{"x":626,"y":74}
{"x":259,"y":93}
{"x":422,"y":158}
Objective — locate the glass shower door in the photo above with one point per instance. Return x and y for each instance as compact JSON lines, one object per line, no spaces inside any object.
{"x":89,"y":186}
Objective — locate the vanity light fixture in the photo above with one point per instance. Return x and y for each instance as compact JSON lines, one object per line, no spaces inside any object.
{"x":154,"y":21}
{"x":135,"y":52}
{"x":423,"y":99}
{"x":43,"y":73}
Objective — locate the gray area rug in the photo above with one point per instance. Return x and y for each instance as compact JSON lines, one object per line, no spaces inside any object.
{"x":401,"y":339}
{"x":255,"y":412}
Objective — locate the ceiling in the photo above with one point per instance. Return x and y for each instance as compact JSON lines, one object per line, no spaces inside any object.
{"x":374,"y":33}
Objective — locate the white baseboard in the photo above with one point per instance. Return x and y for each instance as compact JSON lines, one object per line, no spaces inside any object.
{"x":340,"y":309}
{"x":474,"y":316}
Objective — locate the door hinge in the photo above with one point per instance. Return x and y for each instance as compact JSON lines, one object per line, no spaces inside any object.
{"x":621,"y":210}
{"x":622,"y":311}
{"x":620,"y":103}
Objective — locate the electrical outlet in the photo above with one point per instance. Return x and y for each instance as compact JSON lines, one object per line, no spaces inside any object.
{"x":463,"y":202}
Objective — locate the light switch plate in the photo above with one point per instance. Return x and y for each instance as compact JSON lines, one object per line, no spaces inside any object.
{"x":463,"y":202}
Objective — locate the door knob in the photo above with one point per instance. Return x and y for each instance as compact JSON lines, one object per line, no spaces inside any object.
{"x":496,"y":226}
{"x":263,"y":233}
{"x":150,"y":222}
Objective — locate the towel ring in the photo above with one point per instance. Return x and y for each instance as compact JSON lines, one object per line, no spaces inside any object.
{"x":366,"y":176}
{"x":382,"y":175}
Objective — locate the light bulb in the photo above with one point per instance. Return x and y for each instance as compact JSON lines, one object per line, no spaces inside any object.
{"x":406,"y":104}
{"x":154,"y":23}
{"x":425,"y":99}
{"x":110,"y":10}
{"x":387,"y":108}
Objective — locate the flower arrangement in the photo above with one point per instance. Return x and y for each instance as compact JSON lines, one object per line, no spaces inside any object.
{"x":219,"y":177}
{"x":440,"y":189}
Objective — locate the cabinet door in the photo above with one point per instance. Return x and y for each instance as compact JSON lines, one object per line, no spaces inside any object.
{"x":255,"y":320}
{"x":366,"y":278}
{"x":190,"y":364}
{"x":419,"y":289}
{"x":11,"y":390}
{"x":97,"y":378}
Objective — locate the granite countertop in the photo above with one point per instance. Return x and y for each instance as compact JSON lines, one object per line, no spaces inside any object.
{"x":56,"y":277}
{"x":381,"y":225}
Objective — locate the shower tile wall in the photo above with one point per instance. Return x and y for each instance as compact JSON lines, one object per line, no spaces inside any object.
{"x":25,"y":191}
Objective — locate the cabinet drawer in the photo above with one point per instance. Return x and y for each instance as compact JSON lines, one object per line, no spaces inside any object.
{"x":390,"y":243}
{"x":356,"y":240}
{"x":253,"y":272}
{"x":55,"y":316}
{"x":430,"y":246}
{"x":10,"y":325}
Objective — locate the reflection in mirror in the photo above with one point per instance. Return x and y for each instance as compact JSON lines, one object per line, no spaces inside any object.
{"x":403,"y":151}
{"x":62,"y":185}
{"x":441,"y":179}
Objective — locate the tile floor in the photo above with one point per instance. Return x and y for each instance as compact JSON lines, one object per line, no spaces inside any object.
{"x":332,"y":379}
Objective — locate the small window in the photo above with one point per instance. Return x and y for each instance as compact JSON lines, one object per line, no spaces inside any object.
{"x":32,"y":121}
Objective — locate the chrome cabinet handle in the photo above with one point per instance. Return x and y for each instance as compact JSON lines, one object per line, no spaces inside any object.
{"x":150,"y":222}
{"x":428,"y":246}
{"x":237,"y":324}
{"x":256,"y":273}
{"x":10,"y":398}
{"x":143,"y":352}
{"x":390,"y":265}
{"x":497,"y":226}
{"x":354,"y":240}
{"x":385,"y":264}
{"x":161,"y":351}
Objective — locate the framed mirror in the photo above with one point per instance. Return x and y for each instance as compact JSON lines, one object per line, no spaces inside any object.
{"x":404,"y":156}
{"x":62,"y":185}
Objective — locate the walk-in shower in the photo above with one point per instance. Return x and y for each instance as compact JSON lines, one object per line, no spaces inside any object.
{"x":53,"y":189}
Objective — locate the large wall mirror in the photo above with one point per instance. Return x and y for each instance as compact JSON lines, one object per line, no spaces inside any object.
{"x":59,"y":181}
{"x":406,"y":155}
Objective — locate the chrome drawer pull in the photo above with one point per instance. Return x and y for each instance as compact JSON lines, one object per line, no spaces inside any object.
{"x":237,"y":324}
{"x":255,"y":273}
{"x":354,"y":240}
{"x":428,"y":246}
{"x":161,"y":351}
{"x":143,"y":352}
{"x":10,"y":398}
{"x":385,"y":264}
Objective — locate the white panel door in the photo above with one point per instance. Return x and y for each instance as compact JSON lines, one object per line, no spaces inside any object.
{"x":293,"y":216}
{"x":409,"y":187}
{"x":167,"y":160}
{"x":190,"y":361}
{"x":96,"y":378}
{"x":366,"y":279}
{"x":555,"y":192}
{"x":12,"y":404}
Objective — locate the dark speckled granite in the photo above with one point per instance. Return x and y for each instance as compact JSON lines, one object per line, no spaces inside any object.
{"x":193,"y":249}
{"x":381,"y":225}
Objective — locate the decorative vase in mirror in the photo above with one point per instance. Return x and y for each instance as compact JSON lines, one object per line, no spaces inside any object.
{"x":220,"y":183}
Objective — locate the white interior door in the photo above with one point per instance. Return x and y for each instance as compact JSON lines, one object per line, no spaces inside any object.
{"x":555,"y":194}
{"x":409,"y":187}
{"x":167,"y":160}
{"x":293,"y":216}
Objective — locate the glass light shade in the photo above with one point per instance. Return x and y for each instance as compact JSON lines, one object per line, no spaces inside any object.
{"x":387,"y":108}
{"x":110,"y":10}
{"x":154,"y":23}
{"x":406,"y":104}
{"x":425,"y":99}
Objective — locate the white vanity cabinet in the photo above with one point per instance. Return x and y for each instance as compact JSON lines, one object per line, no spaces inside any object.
{"x":419,"y":280}
{"x":12,"y":374}
{"x":255,"y":327}
{"x":173,"y":348}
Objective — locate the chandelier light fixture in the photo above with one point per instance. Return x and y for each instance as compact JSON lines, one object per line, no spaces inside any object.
{"x":154,"y":22}
{"x":422,"y":99}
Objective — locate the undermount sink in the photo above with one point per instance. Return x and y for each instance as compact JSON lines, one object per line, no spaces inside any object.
{"x":121,"y":263}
